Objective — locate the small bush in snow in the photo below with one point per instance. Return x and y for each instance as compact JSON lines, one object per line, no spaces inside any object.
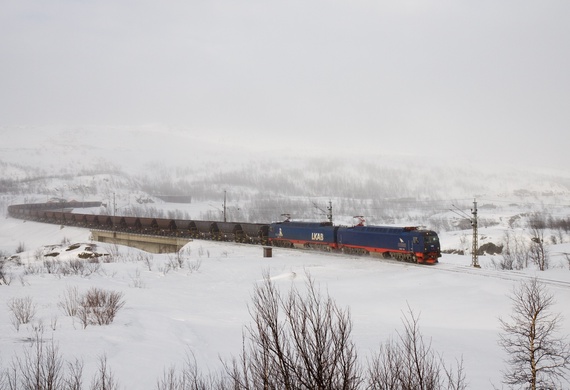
{"x":194,"y":266}
{"x":190,"y":377}
{"x":137,"y":281}
{"x":42,"y":367}
{"x":51,"y":266}
{"x":70,"y":302}
{"x":33,"y":269}
{"x":113,"y":254}
{"x":104,"y":379}
{"x":22,"y":309}
{"x":99,"y":307}
{"x":21,"y":247}
{"x":75,"y":267}
{"x":5,"y":275}
{"x":174,"y":262}
{"x":146,"y":258}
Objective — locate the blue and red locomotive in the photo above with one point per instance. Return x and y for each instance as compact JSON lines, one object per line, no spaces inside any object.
{"x":409,"y":244}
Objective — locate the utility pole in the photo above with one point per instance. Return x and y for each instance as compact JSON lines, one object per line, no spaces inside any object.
{"x":475,"y":245}
{"x":475,"y":248}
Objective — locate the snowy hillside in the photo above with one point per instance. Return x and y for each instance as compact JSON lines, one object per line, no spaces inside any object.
{"x":129,"y":164}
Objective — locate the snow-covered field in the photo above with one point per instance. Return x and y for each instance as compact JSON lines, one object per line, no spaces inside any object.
{"x":203,"y":307}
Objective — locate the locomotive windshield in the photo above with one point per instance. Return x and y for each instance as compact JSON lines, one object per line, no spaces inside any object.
{"x":431,"y":239}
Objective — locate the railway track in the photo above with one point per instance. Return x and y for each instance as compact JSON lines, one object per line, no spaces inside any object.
{"x":498,"y":274}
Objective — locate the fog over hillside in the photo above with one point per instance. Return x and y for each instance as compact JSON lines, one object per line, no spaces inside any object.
{"x":133,"y":167}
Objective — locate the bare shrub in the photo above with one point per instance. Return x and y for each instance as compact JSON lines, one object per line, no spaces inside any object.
{"x":74,"y":378}
{"x":34,"y":269}
{"x":4,"y":376}
{"x":137,"y":281}
{"x":21,"y":247}
{"x":22,"y":309}
{"x":39,"y":254}
{"x":41,"y":367}
{"x":164,"y":269}
{"x":409,"y":362}
{"x":23,"y":280}
{"x":5,"y":275}
{"x":515,"y":254}
{"x":75,"y":267}
{"x":50,"y":266}
{"x":301,"y":341}
{"x":189,"y":377}
{"x":194,"y":266}
{"x":70,"y":301}
{"x":104,"y":379}
{"x":146,"y":258}
{"x":178,"y":260}
{"x":99,"y":307}
{"x":84,"y":316}
{"x":114,"y":253}
{"x":92,"y":266}
{"x":171,"y":380}
{"x":172,"y":262}
{"x":538,"y":252}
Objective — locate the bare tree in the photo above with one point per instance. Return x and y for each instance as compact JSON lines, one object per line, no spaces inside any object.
{"x":410,"y":363}
{"x":538,"y":253}
{"x":538,"y":358}
{"x":515,"y":254}
{"x":301,"y":341}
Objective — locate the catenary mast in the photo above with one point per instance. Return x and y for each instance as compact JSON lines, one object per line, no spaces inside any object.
{"x":475,"y":248}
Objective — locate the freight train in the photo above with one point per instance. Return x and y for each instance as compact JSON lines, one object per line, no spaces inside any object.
{"x":410,"y":244}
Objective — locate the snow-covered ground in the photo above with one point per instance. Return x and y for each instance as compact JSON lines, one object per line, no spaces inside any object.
{"x":203,"y":307}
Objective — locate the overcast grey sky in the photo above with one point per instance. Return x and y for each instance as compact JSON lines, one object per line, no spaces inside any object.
{"x":392,"y":76}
